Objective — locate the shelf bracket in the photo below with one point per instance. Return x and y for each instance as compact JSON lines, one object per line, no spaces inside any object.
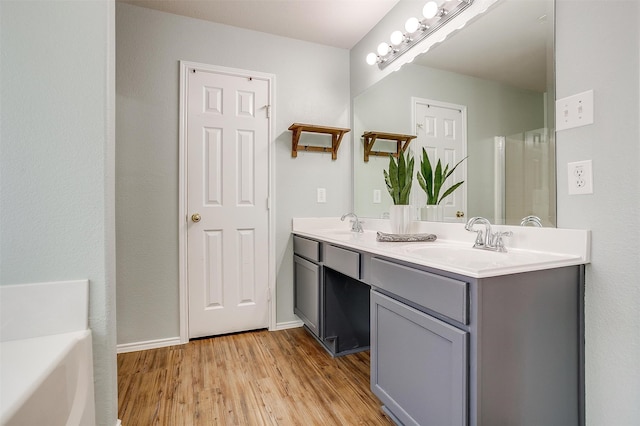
{"x":370,"y":138}
{"x":336,"y":138}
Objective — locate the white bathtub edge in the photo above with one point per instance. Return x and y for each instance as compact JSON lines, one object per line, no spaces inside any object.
{"x":27,"y":364}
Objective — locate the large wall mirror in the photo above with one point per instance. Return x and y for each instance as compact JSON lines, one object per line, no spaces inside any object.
{"x":490,"y":87}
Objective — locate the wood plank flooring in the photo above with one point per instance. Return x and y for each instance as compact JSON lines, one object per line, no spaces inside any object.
{"x":253,"y":378}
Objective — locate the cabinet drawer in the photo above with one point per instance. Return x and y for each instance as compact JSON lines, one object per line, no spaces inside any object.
{"x":342,"y":260}
{"x":306,"y":248}
{"x":443,"y":295}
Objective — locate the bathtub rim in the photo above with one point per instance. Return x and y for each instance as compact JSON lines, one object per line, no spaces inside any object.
{"x":44,"y":354}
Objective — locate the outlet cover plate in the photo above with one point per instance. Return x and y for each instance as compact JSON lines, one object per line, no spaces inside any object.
{"x":580,"y":177}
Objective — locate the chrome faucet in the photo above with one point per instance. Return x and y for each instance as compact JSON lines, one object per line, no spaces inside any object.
{"x":356,"y":224}
{"x":488,"y":240}
{"x":531,"y":220}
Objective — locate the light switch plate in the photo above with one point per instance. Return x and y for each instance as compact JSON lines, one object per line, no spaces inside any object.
{"x":574,"y":111}
{"x":322,"y":195}
{"x":377,"y":196}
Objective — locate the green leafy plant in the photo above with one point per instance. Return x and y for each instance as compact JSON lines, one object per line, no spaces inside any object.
{"x":432,"y":181}
{"x":399,"y":178}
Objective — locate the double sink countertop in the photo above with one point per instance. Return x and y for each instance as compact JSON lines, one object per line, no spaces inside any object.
{"x":529,"y":249}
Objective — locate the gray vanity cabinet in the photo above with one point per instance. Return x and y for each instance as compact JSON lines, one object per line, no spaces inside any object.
{"x":453,"y":350}
{"x":307,"y":289}
{"x":417,"y":355}
{"x":329,"y":296}
{"x":307,"y":274}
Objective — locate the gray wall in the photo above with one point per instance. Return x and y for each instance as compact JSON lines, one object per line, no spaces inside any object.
{"x":56,"y":167}
{"x":599,"y":51}
{"x":312,"y":86}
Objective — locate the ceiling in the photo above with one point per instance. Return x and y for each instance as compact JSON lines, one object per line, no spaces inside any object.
{"x":337,"y":23}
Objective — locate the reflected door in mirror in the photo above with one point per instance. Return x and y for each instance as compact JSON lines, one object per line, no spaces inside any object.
{"x":441,"y":130}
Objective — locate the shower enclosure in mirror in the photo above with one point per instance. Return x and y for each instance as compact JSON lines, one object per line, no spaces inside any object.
{"x":499,"y":71}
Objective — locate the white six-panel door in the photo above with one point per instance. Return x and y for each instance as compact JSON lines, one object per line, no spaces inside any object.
{"x":441,"y":130}
{"x":227,"y":150}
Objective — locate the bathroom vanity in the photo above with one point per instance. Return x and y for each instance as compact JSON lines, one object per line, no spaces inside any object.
{"x":458,"y":336}
{"x":330,"y":297}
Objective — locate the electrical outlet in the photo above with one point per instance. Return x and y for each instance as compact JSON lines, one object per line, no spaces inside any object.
{"x":322,"y":195}
{"x":580,"y":177}
{"x":377,"y":196}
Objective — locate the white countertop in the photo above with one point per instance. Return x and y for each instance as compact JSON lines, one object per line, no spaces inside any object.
{"x":529,"y":249}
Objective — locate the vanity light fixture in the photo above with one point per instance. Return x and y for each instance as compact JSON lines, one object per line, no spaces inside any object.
{"x":436,"y":13}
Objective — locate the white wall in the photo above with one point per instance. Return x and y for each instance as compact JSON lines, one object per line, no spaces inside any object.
{"x":312,"y":86}
{"x":57,"y":162}
{"x":600,"y":51}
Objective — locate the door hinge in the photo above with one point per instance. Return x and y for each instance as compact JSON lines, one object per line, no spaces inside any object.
{"x":268,"y":203}
{"x":268,"y":107}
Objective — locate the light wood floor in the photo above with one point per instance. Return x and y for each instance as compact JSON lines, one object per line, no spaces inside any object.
{"x":254,"y":378}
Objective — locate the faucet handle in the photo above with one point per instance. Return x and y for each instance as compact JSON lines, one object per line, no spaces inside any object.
{"x":479,"y":238}
{"x":356,"y":225}
{"x":499,"y":243}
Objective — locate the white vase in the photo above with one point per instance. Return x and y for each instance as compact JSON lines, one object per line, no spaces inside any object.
{"x":432,"y":213}
{"x":401,"y":217}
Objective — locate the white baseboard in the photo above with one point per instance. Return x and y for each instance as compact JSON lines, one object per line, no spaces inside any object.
{"x":288,"y":324}
{"x":149,"y":344}
{"x":118,"y":422}
{"x":172,"y":341}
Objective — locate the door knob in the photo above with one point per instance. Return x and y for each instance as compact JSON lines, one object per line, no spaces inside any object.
{"x":196,"y":217}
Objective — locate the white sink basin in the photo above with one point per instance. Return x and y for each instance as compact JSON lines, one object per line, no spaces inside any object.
{"x":467,"y":257}
{"x":347,"y":234}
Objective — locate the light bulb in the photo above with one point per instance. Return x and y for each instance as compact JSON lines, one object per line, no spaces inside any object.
{"x":396,"y":38}
{"x":412,"y":25}
{"x":430,"y":9}
{"x":383,"y":49}
{"x":372,"y":58}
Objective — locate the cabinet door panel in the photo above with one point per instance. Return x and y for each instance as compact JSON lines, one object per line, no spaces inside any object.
{"x":307,"y":292}
{"x":418,"y":364}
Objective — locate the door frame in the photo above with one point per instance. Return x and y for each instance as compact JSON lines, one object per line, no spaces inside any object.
{"x":182,"y":190}
{"x":418,"y":155}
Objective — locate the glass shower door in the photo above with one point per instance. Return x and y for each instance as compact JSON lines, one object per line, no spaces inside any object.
{"x":525,"y":177}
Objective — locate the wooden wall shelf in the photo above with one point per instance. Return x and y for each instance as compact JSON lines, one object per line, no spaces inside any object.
{"x":370,"y":138}
{"x":335,"y":132}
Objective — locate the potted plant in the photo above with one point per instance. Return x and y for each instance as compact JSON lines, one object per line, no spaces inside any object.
{"x":432,"y":181}
{"x":399,"y":179}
